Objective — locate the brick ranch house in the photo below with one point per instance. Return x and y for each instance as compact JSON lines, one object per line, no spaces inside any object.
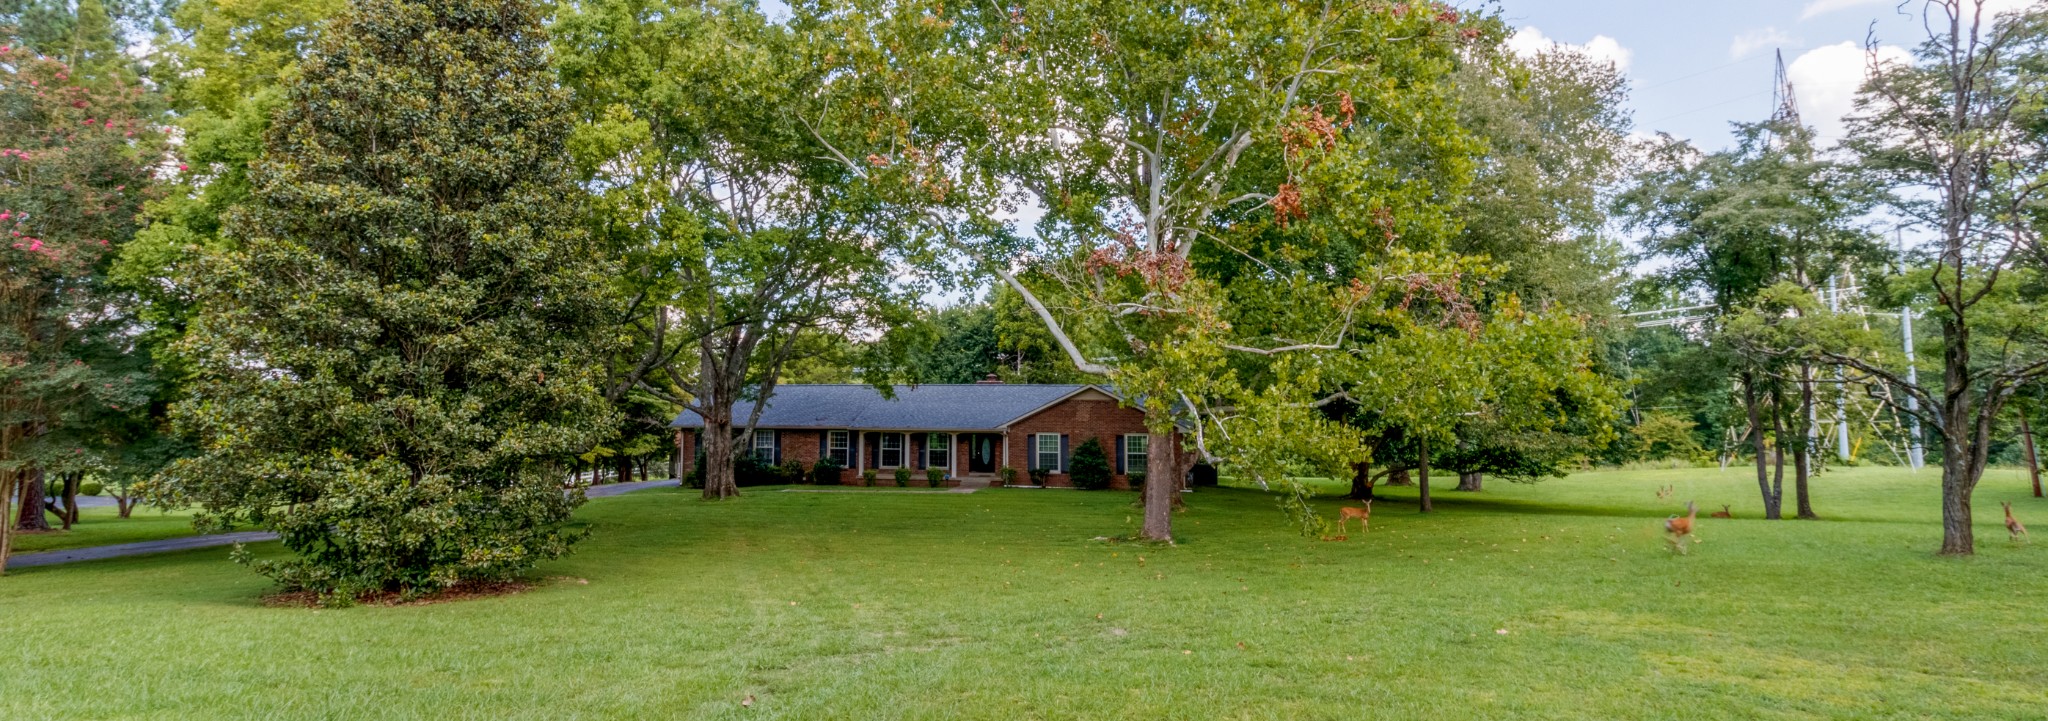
{"x":969,"y":430}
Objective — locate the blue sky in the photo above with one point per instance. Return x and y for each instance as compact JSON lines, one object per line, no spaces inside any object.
{"x":1696,"y":65}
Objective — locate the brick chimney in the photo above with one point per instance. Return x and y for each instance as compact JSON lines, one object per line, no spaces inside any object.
{"x":990,"y":380}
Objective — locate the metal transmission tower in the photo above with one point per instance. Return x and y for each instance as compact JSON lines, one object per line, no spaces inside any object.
{"x":1784,"y":104}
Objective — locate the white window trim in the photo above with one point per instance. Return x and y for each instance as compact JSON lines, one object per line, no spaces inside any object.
{"x":1130,"y":467}
{"x":840,"y":442}
{"x":764,"y":434}
{"x":882,"y":450}
{"x":943,"y":446}
{"x":1038,"y":452}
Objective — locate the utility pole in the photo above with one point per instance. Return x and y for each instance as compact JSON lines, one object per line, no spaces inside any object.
{"x":1915,"y":454}
{"x":1841,"y":384}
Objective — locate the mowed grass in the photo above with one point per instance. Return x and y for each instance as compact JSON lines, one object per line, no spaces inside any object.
{"x":1001,"y":605}
{"x":105,"y":526}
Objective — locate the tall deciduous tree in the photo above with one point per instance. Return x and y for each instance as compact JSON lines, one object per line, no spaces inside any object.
{"x":402,"y":344}
{"x":741,"y":239}
{"x":1956,"y":133}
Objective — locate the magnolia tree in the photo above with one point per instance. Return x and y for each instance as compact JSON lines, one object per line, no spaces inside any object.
{"x":400,"y":348}
{"x":78,"y":160}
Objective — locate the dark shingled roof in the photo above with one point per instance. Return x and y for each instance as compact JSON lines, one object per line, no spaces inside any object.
{"x":975,"y":407}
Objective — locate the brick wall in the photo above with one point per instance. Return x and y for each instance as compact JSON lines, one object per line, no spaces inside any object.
{"x":1080,"y":419}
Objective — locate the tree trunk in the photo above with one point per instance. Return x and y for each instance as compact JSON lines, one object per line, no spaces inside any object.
{"x":8,"y":486}
{"x":1804,"y":462}
{"x":1801,"y":464}
{"x":1161,"y":487}
{"x":1470,"y":481}
{"x":124,"y":504}
{"x":1756,"y":438}
{"x":1422,"y":475}
{"x":1361,"y":481}
{"x":718,"y":481}
{"x":2033,"y":461}
{"x":1399,"y":477}
{"x":625,"y":466}
{"x":69,"y":512}
{"x":31,"y":516}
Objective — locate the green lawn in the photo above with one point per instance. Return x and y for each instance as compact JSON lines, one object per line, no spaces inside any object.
{"x":105,"y":526}
{"x":998,"y":605}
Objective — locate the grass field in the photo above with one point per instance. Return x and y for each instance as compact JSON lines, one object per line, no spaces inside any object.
{"x":105,"y":526}
{"x":998,"y":605}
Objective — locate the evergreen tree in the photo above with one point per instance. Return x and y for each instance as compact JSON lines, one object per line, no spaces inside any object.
{"x":399,"y":352}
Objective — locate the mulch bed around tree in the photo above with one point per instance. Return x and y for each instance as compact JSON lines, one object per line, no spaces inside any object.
{"x":458,"y":592}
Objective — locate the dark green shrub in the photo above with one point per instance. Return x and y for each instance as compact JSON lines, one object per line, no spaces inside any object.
{"x":935,"y":476}
{"x":1136,"y":480}
{"x":825,"y":472}
{"x":868,"y":477}
{"x":1039,"y":476}
{"x":790,"y":472}
{"x":90,"y":488}
{"x":1089,"y":466}
{"x":902,"y":477}
{"x":1006,"y":476}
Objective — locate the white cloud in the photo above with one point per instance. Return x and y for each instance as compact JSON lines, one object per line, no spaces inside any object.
{"x":1822,"y":7}
{"x":1825,"y":80}
{"x":1758,"y":39}
{"x":1530,"y":41}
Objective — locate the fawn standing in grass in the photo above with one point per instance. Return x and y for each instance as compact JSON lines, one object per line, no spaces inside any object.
{"x":1680,"y":527}
{"x":1364,"y":516}
{"x":2012,"y":525}
{"x":1664,"y":492}
{"x":1723,"y":513}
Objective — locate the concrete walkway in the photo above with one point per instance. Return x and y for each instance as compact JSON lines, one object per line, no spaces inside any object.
{"x":119,"y":550}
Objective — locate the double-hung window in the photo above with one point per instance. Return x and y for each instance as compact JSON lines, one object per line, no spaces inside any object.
{"x":1047,"y":446}
{"x":1135,"y":452}
{"x":938,"y":450}
{"x":839,"y":448}
{"x":764,"y":445}
{"x":892,"y":450}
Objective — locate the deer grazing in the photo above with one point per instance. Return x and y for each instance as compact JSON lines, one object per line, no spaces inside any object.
{"x":2012,"y":525}
{"x":1723,"y":513}
{"x":1680,"y":527}
{"x":1664,"y":492}
{"x":1364,"y":516}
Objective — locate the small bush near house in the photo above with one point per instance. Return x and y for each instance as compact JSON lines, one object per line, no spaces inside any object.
{"x":825,"y":472}
{"x":1039,"y":476}
{"x":1090,"y":467}
{"x":790,"y":472}
{"x":868,"y":477}
{"x":1007,"y":476}
{"x":1136,"y":480}
{"x":935,"y":476}
{"x":902,"y":477}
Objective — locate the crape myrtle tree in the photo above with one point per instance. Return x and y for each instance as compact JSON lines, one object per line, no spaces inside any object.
{"x":77,"y":160}
{"x":400,"y":347}
{"x":743,"y":241}
{"x":1956,"y":134}
{"x":1221,"y":186}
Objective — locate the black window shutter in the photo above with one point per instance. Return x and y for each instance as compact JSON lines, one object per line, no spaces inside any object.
{"x":1031,"y":458}
{"x":778,"y":448}
{"x":1120,"y":455}
{"x":915,"y":446}
{"x":1063,"y":453}
{"x":823,"y":452}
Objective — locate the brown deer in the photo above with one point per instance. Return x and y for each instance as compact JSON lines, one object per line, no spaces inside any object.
{"x":1723,"y":513}
{"x":2012,"y":525}
{"x":1680,"y":527}
{"x":1664,"y":492}
{"x":1364,"y":516}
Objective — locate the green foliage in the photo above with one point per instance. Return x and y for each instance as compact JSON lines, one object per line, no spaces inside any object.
{"x":91,"y":488}
{"x":790,"y":472}
{"x":1135,"y":479}
{"x":1090,"y":466}
{"x":1039,"y":476}
{"x":398,"y":349}
{"x":902,"y":477}
{"x":1667,"y":436}
{"x":867,"y":477}
{"x":825,"y":472}
{"x":935,"y":477}
{"x":1008,"y":475}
